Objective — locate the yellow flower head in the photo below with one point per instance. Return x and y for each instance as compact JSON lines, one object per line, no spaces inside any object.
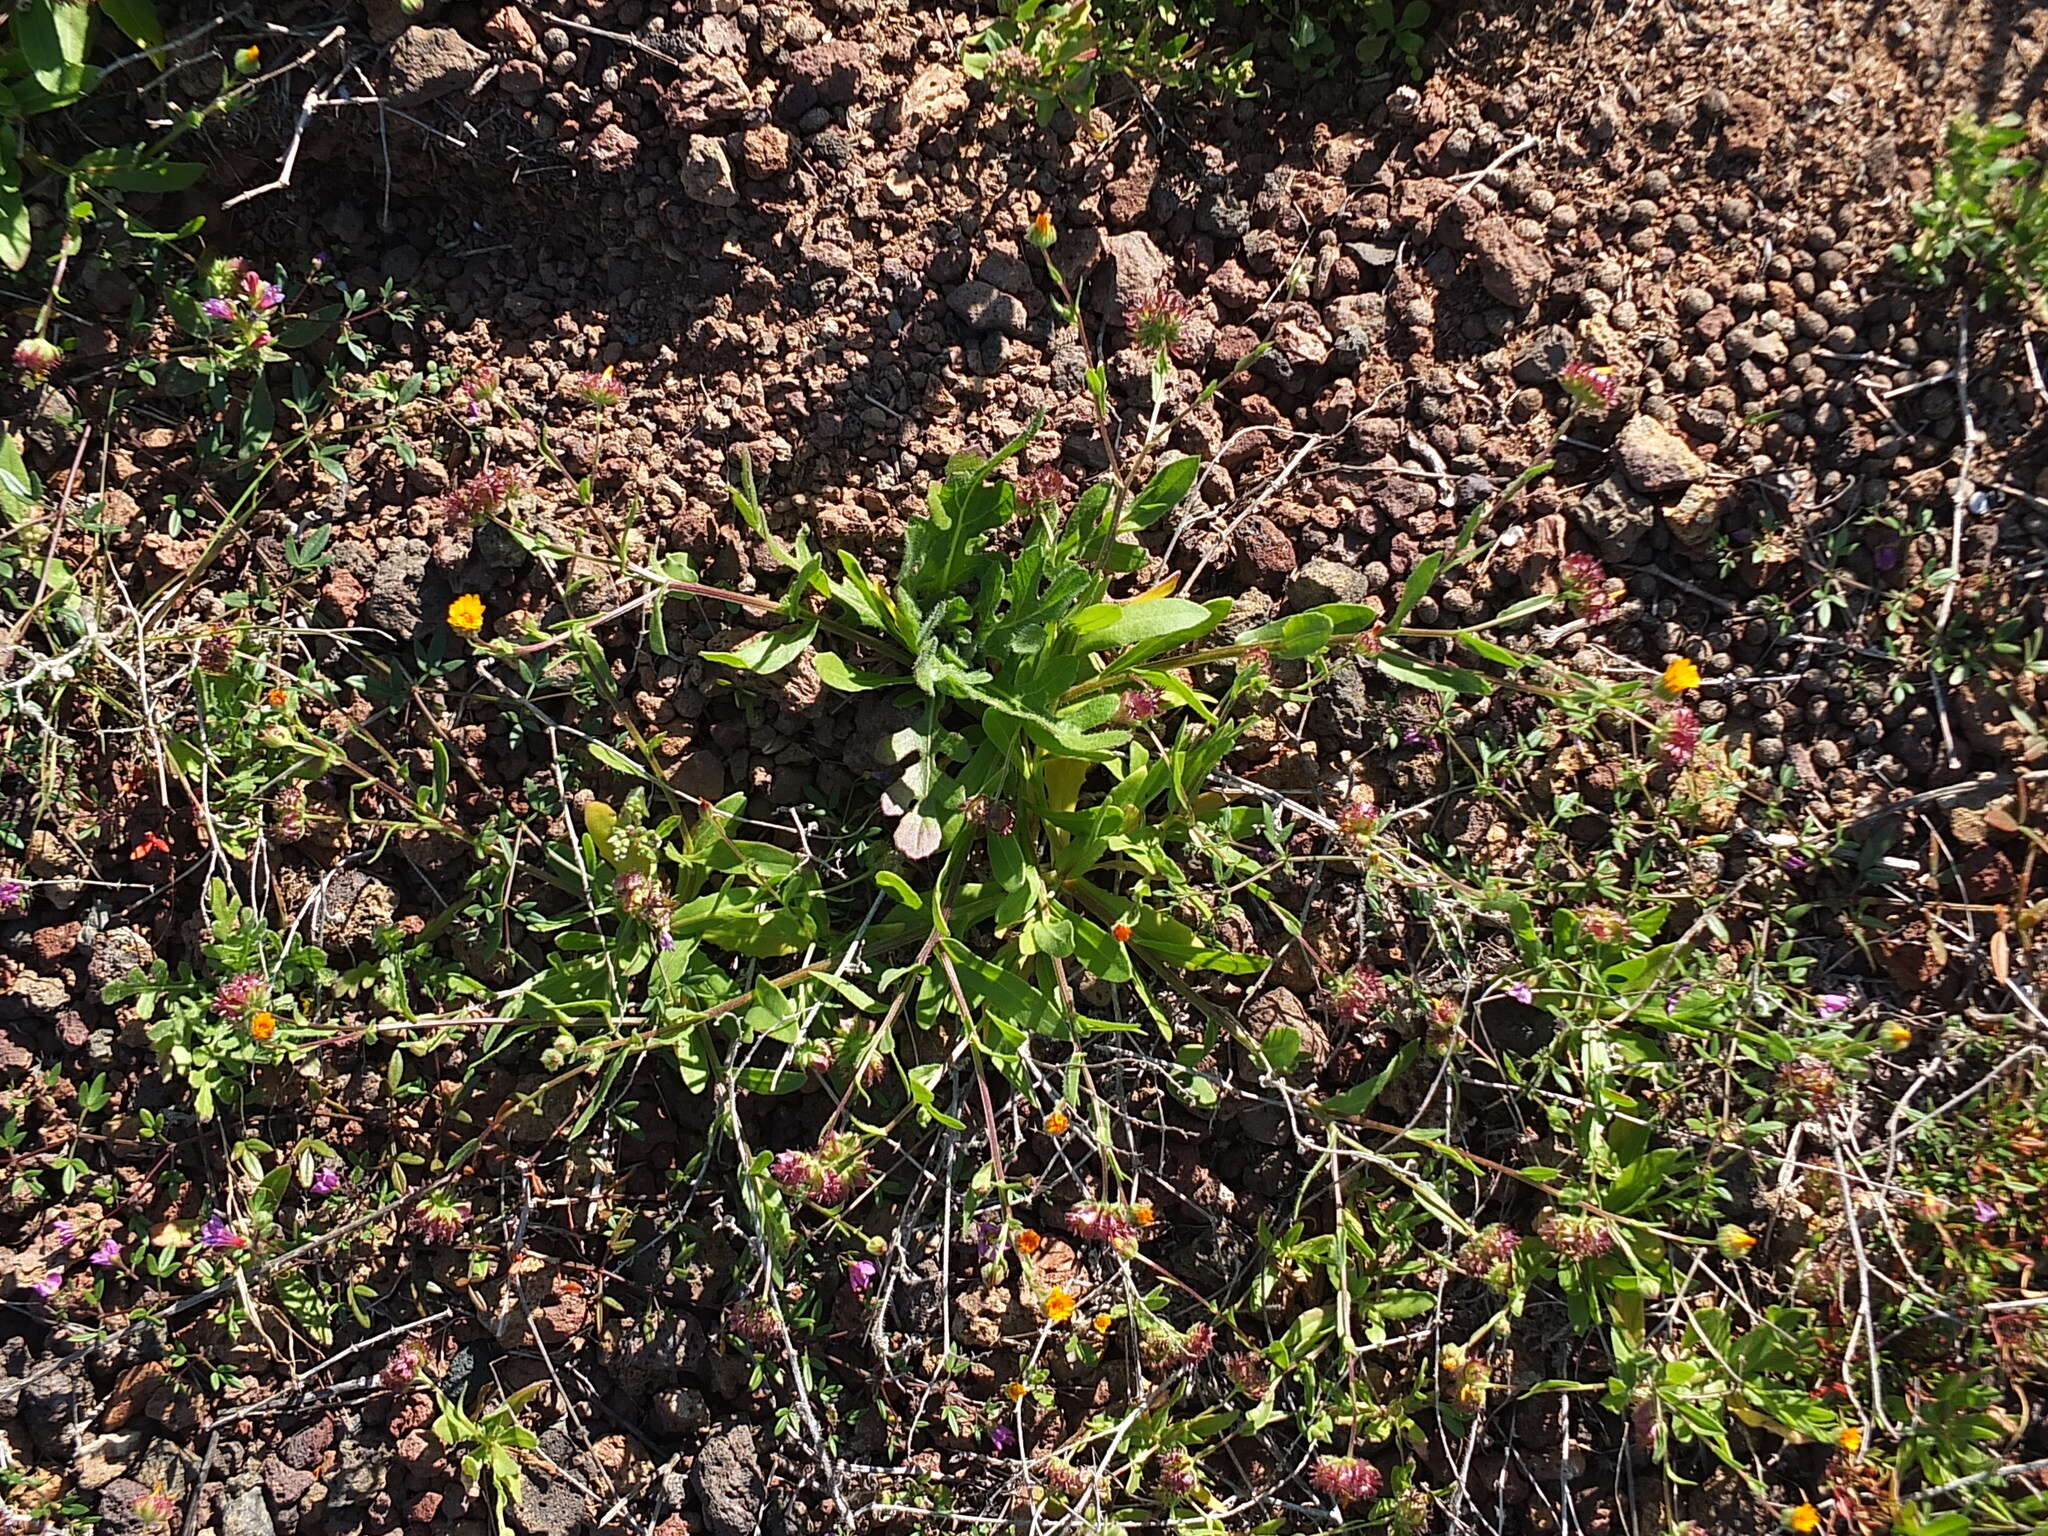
{"x":262,"y":1025}
{"x":1015,"y":1391}
{"x":1059,"y":1304}
{"x":1041,"y":234}
{"x":466,"y":613}
{"x":1679,"y":676}
{"x":1734,"y":1242}
{"x":1102,"y":1322}
{"x":1850,"y":1439}
{"x":1895,"y":1036}
{"x":1805,"y":1519}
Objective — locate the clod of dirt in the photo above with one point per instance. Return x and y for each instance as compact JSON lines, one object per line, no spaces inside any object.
{"x":1655,"y":458}
{"x":1513,"y":270}
{"x":428,"y":63}
{"x":985,"y":308}
{"x":727,"y":1480}
{"x":707,"y":174}
{"x":1616,"y":517}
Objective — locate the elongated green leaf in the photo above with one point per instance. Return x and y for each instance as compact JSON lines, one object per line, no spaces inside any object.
{"x":14,"y":226}
{"x":1484,"y":648}
{"x":128,"y":170}
{"x":836,"y":673}
{"x":1415,"y":588}
{"x":1112,"y":626}
{"x":770,"y":652}
{"x":1165,"y":492}
{"x":1448,"y":681}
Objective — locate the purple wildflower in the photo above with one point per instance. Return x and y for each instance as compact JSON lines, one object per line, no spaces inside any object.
{"x":402,"y":1368}
{"x":218,"y":1234}
{"x":326,"y":1181}
{"x":13,"y":895}
{"x":49,"y":1285}
{"x":1520,"y":992}
{"x":1831,"y":1003}
{"x":1002,"y":1437}
{"x":65,"y":1231}
{"x":1983,"y":1210}
{"x":860,"y":1275}
{"x":219,"y":309}
{"x":106,"y":1255}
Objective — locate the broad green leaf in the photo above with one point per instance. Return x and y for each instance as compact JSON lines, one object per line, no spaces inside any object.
{"x":14,"y":226}
{"x":52,"y":35}
{"x":137,"y":20}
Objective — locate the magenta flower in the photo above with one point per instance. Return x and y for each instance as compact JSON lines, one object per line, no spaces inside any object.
{"x":326,"y":1181}
{"x":1002,"y":1437}
{"x":219,"y":309}
{"x":1520,"y":992}
{"x":860,"y":1275}
{"x":106,"y":1255}
{"x":49,"y":1285}
{"x":1983,"y":1210}
{"x":239,"y":994}
{"x":13,"y":895}
{"x":65,"y":1231}
{"x":1831,"y":1003}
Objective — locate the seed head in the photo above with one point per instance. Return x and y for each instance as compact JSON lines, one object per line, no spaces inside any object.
{"x":37,"y":359}
{"x":1593,"y":388}
{"x":1581,"y":1238}
{"x":237,"y":995}
{"x":1347,"y":1479}
{"x":1359,"y":995}
{"x":1102,"y":1222}
{"x":483,"y":493}
{"x":755,"y":1321}
{"x":1156,"y":321}
{"x":1489,"y":1255}
{"x":440,"y":1217}
{"x":1678,"y":737}
{"x":1588,"y":592}
{"x":1175,"y":1475}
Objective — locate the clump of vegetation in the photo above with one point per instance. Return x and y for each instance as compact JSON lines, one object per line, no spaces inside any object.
{"x":1989,"y":208}
{"x":1053,"y":54}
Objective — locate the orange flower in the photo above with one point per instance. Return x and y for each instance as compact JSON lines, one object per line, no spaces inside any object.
{"x":1102,"y":1322}
{"x":1850,"y":1439}
{"x":277,"y":698}
{"x":1679,"y":676}
{"x":1041,"y":234}
{"x":466,"y":614}
{"x":1028,"y":1242}
{"x":1804,"y":1519}
{"x":1059,"y":1304}
{"x":1121,"y":932}
{"x":1015,"y":1390}
{"x":1143,"y":1214}
{"x":262,"y":1025}
{"x":1056,"y":1123}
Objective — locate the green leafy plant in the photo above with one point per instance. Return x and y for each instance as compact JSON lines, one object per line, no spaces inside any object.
{"x":1061,"y":53}
{"x":1989,"y":207}
{"x":488,"y":1448}
{"x":248,"y":1009}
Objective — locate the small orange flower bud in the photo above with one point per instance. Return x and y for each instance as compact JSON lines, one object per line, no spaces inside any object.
{"x":1056,"y":1123}
{"x":1121,"y":932}
{"x":1029,"y":1242}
